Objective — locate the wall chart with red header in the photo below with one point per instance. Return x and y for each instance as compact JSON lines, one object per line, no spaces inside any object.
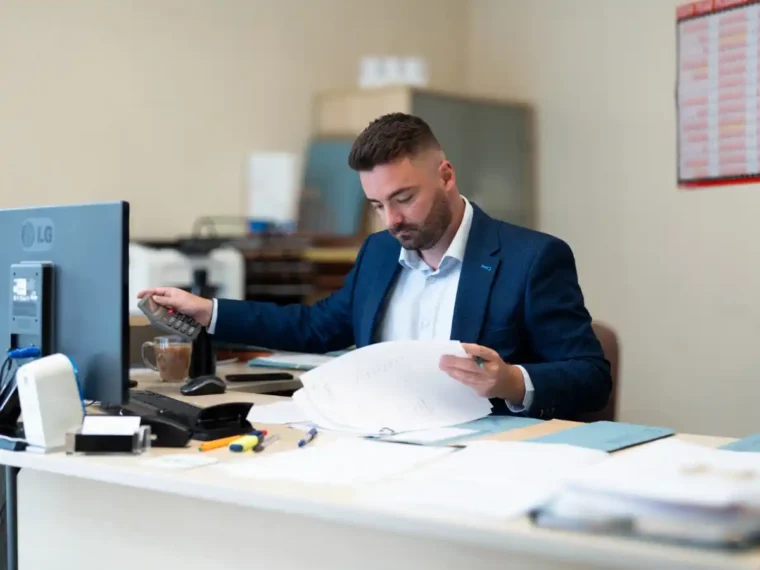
{"x":717,"y":92}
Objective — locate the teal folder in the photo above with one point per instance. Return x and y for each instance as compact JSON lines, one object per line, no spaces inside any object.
{"x":280,"y":364}
{"x":749,"y":443}
{"x":293,"y":361}
{"x":606,"y":436}
{"x":490,"y":425}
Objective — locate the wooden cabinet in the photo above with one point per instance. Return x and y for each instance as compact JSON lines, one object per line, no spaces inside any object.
{"x":489,"y":141}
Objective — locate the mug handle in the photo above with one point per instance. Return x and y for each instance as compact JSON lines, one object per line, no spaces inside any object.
{"x":144,"y":358}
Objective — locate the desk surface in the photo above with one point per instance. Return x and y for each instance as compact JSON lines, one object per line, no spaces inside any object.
{"x":148,"y":380}
{"x":339,"y":504}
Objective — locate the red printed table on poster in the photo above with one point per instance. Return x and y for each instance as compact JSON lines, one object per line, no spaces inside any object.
{"x":717,"y":93}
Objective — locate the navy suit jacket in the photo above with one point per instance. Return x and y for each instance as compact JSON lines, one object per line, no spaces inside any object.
{"x":518,"y":294}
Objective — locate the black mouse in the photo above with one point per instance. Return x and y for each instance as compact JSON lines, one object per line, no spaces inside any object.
{"x":203,"y":386}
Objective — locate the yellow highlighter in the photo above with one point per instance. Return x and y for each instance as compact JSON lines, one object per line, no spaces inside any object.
{"x":245,"y":443}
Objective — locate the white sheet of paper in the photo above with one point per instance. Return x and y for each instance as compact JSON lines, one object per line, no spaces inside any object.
{"x":285,"y":412}
{"x":273,"y":180}
{"x":430,"y":435}
{"x":318,"y":419}
{"x":110,"y":425}
{"x":390,"y":387}
{"x":487,"y":478}
{"x":343,"y":462}
{"x":677,"y":472}
{"x":181,"y":461}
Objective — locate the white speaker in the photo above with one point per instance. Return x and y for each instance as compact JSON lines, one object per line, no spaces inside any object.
{"x":50,"y":400}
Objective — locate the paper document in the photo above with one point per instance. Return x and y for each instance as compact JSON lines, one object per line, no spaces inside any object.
{"x":291,"y":360}
{"x":274,"y":188}
{"x":487,"y":478}
{"x":459,"y":434}
{"x":181,"y":461}
{"x":431,"y":435}
{"x":342,"y":462}
{"x":389,"y":387}
{"x":285,"y":412}
{"x":110,"y":425}
{"x":668,"y":489}
{"x":676,"y":472}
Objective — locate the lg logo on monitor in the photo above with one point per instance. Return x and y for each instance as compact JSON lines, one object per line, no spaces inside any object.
{"x":37,"y":234}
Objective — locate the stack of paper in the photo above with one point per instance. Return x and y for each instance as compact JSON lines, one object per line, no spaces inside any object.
{"x":487,"y":478}
{"x":388,"y":388}
{"x":667,"y":489}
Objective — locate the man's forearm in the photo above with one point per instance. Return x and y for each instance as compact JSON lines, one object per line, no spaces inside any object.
{"x":318,"y":328}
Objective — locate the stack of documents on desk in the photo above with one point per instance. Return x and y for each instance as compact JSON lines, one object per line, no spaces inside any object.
{"x":387,"y":388}
{"x":668,"y":489}
{"x":494,"y":479}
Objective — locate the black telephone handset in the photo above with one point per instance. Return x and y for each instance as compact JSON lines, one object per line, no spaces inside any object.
{"x":169,"y":320}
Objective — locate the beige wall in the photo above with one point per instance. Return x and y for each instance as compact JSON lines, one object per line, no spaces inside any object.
{"x":159,"y":101}
{"x":678,"y":273}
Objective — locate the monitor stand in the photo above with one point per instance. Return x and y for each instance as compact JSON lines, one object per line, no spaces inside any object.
{"x":203,"y":357}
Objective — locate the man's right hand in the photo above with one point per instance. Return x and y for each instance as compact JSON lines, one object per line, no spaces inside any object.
{"x":183,"y":302}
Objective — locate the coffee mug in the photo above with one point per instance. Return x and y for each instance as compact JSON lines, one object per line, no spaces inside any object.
{"x":172,"y":355}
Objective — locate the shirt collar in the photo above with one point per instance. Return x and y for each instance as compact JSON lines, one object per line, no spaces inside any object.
{"x":455,"y":252}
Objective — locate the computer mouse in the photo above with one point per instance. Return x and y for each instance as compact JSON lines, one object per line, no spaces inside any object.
{"x":203,"y":386}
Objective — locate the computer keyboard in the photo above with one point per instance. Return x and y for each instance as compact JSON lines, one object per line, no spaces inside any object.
{"x":207,"y":423}
{"x":182,"y":412}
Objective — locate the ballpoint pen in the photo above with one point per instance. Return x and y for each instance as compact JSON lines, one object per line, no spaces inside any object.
{"x":310,"y":435}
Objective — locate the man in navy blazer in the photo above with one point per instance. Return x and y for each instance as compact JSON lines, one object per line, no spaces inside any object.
{"x":443,"y":270}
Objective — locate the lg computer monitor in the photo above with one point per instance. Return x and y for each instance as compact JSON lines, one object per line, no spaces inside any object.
{"x":86,"y":247}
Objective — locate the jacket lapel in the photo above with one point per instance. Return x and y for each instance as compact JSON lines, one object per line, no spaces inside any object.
{"x":385,"y":272}
{"x":479,"y":270}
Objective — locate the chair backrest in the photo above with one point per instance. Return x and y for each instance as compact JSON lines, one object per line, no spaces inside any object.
{"x":610,"y":346}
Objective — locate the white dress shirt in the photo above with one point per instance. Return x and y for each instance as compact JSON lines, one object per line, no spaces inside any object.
{"x":421,"y":305}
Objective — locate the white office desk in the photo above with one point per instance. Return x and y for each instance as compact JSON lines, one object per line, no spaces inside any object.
{"x":113,"y":512}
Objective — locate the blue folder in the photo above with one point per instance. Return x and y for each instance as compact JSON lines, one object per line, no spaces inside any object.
{"x":749,"y":443}
{"x":606,"y":436}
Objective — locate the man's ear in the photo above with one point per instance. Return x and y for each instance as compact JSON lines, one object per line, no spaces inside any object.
{"x":447,"y":173}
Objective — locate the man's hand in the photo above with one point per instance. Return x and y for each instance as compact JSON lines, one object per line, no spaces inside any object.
{"x":182,"y":301}
{"x":484,"y":371}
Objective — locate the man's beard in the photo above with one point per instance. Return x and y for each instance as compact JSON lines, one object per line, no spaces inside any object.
{"x":429,"y":232}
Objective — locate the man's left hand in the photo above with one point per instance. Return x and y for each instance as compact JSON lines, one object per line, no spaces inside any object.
{"x":484,"y":371}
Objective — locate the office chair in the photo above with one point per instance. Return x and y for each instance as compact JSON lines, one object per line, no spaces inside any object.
{"x":611,"y":348}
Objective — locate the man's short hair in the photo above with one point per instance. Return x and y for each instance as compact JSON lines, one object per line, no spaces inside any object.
{"x":392,"y":137}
